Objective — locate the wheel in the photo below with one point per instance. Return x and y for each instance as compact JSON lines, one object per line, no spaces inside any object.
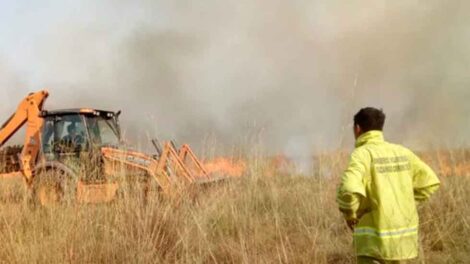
{"x":52,"y":187}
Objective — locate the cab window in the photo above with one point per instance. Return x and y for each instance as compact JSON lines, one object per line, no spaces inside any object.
{"x":64,"y":134}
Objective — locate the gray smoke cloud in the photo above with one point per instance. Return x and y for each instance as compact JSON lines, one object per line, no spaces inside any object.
{"x":287,"y":73}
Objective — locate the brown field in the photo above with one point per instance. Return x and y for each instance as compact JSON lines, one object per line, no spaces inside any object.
{"x":267,"y":216}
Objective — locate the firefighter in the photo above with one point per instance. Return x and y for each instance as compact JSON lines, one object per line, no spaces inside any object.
{"x":379,"y":193}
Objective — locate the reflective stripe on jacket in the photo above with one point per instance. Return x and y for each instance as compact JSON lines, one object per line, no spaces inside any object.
{"x":381,"y":188}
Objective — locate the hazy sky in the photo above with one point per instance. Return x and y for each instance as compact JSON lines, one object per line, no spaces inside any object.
{"x":290,"y":73}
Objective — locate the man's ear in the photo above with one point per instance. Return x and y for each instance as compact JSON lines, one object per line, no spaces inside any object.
{"x":357,"y":130}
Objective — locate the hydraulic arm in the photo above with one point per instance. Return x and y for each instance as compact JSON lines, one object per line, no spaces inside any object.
{"x":28,"y":112}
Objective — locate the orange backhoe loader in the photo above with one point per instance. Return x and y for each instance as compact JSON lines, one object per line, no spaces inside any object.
{"x":76,"y":154}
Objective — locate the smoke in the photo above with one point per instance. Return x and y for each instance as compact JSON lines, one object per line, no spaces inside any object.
{"x":290,"y":74}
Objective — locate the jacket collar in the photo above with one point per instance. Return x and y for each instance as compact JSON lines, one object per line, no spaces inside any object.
{"x":370,"y":137}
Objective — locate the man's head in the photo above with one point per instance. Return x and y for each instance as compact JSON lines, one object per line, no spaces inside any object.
{"x":72,"y":129}
{"x":368,"y":119}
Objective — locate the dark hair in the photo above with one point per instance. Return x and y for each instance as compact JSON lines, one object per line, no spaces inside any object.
{"x":370,"y":118}
{"x":71,"y":127}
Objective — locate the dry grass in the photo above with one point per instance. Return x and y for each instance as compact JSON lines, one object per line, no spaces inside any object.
{"x":254,"y":219}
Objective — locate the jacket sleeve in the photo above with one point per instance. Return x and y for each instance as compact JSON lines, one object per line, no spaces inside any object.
{"x":425,"y":181}
{"x":352,"y":190}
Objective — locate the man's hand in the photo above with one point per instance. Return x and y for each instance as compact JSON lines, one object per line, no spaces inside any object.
{"x":352,"y":223}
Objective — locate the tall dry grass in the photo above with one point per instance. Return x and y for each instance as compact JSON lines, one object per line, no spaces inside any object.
{"x":259,"y":218}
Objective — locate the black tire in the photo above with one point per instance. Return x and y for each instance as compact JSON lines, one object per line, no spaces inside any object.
{"x":53,"y":187}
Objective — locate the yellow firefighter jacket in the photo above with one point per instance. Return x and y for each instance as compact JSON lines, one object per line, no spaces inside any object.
{"x":381,"y":188}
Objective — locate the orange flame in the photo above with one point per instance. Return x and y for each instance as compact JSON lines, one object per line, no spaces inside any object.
{"x":226,"y":167}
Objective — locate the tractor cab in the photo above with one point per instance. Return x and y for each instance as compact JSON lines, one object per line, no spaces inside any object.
{"x":74,"y":131}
